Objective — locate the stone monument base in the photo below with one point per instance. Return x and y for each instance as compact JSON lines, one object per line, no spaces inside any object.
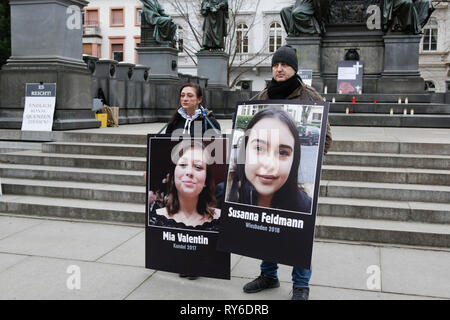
{"x":163,"y":61}
{"x":73,"y":108}
{"x":214,"y":66}
{"x":401,"y":65}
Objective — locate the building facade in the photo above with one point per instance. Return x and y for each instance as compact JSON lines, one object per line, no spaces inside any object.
{"x":112,"y":31}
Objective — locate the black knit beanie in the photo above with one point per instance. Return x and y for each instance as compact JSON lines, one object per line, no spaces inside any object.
{"x":286,"y":54}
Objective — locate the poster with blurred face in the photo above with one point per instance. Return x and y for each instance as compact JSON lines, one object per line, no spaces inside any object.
{"x":273,"y":177}
{"x":182,"y":224}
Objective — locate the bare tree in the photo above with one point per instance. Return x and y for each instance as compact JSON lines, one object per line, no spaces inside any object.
{"x":238,"y":63}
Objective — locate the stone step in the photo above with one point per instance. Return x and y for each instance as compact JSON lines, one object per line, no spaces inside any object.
{"x":426,"y":212}
{"x":421,"y":148}
{"x":383,"y":231}
{"x":75,"y":160}
{"x":87,"y":137}
{"x":74,"y":190}
{"x":130,"y":150}
{"x":385,"y":108}
{"x":336,"y":228}
{"x":121,"y":177}
{"x":105,"y":211}
{"x":392,"y":160}
{"x":386,"y":175}
{"x":385,"y":191}
{"x":378,"y":120}
{"x":14,"y":146}
{"x":380,"y":98}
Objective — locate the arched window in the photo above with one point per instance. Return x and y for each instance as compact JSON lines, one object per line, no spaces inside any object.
{"x":179,"y":38}
{"x":242,"y":38}
{"x":430,"y":36}
{"x":275,"y":37}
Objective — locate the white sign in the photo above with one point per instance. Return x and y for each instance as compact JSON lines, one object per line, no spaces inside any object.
{"x":306,"y":76}
{"x":40,"y":101}
{"x":347,"y":73}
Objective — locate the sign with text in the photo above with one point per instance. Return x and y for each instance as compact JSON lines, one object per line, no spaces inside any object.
{"x":350,"y":77}
{"x":184,"y":192}
{"x":40,"y":101}
{"x":272,"y":185}
{"x":306,"y":76}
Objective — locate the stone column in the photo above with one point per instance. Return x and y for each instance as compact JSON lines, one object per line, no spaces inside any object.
{"x":214,"y":66}
{"x":308,"y":54}
{"x":401,"y":65}
{"x":46,"y":45}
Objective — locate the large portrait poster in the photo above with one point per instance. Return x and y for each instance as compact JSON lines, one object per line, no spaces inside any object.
{"x":270,"y":204}
{"x":184,"y":195}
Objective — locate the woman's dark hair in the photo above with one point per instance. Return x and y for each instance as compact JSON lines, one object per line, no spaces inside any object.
{"x":289,"y":196}
{"x":198,"y":91}
{"x":206,"y":199}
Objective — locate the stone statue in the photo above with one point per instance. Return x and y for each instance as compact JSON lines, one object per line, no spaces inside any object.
{"x":215,"y":24}
{"x":153,"y":14}
{"x":305,"y":16}
{"x":408,"y":16}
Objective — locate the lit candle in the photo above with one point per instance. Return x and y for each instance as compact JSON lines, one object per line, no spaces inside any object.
{"x":399,"y":100}
{"x":325,"y":90}
{"x":334,"y":100}
{"x":405,"y":111}
{"x":392,"y":111}
{"x":406,"y":100}
{"x":412,"y":111}
{"x":353,"y":100}
{"x":340,"y":91}
{"x":347,"y":110}
{"x":359,"y":91}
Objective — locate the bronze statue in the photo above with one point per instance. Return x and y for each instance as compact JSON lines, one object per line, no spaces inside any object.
{"x":154,"y":15}
{"x":304,"y":17}
{"x":408,"y":16}
{"x":215,"y":24}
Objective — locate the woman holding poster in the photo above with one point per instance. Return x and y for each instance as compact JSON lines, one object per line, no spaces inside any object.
{"x":266,"y":174}
{"x":190,"y":200}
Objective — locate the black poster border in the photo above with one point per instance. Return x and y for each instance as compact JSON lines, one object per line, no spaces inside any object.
{"x":215,"y":264}
{"x":250,"y":241}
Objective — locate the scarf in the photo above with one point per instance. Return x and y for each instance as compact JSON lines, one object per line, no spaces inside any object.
{"x":282,"y":90}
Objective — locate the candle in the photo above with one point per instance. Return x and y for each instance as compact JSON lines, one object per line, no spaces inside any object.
{"x":346,"y":110}
{"x":340,"y":91}
{"x":399,"y":100}
{"x":353,"y":100}
{"x":405,"y":111}
{"x":412,"y":111}
{"x":375,"y":101}
{"x":334,"y":100}
{"x":406,"y":100}
{"x":325,"y":90}
{"x":360,"y":91}
{"x":392,"y":111}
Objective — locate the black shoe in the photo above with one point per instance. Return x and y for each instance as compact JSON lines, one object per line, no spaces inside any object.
{"x":188,"y":277}
{"x":300,"y":293}
{"x":261,"y":283}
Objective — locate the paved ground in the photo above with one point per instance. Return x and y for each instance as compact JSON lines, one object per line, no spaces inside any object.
{"x":40,"y":257}
{"x":37,"y":259}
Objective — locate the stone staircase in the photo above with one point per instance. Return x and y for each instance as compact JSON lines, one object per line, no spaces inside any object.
{"x":430,"y":111}
{"x":371,"y":191}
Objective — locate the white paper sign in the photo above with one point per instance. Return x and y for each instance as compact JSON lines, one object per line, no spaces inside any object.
{"x":40,"y":101}
{"x":347,"y":73}
{"x":306,"y":76}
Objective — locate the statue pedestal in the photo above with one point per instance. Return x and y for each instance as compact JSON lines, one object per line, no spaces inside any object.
{"x":308,"y":54}
{"x":401,"y":65}
{"x":163,"y":61}
{"x":214,"y":66}
{"x":47,"y":50}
